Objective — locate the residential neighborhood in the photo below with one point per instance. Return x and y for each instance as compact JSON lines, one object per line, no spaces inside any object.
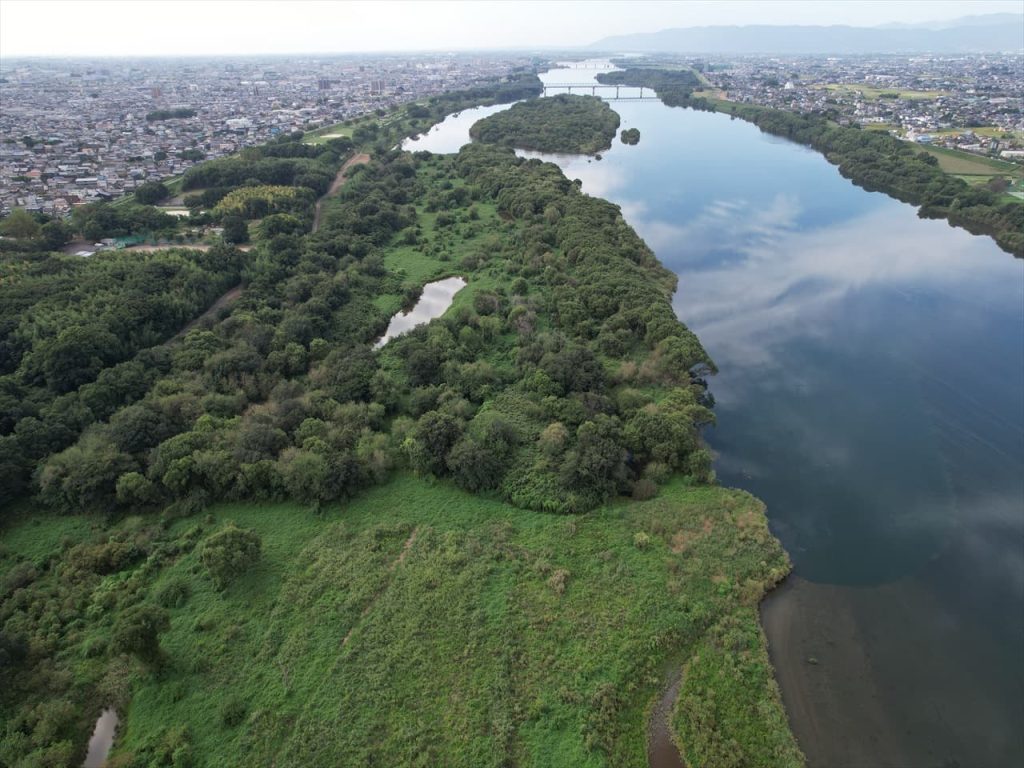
{"x":78,"y":131}
{"x":972,"y":103}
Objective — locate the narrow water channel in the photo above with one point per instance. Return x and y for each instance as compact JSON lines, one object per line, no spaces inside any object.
{"x":102,"y":739}
{"x":662,"y":751}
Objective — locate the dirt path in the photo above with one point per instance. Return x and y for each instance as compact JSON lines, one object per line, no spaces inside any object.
{"x":232,"y":295}
{"x":226,"y":300}
{"x":358,"y":159}
{"x":190,"y":247}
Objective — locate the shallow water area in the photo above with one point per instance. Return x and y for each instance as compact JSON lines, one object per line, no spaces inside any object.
{"x":434,"y":301}
{"x":102,"y":739}
{"x":662,"y":751}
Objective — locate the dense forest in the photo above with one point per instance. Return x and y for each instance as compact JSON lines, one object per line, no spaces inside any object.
{"x":183,"y":497}
{"x":583,"y":292}
{"x":562,"y":123}
{"x":870,"y":159}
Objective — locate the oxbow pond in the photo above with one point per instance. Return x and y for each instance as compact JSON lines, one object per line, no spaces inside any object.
{"x":434,"y":301}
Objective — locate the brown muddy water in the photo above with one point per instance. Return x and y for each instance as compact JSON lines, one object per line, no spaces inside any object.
{"x":662,"y":751}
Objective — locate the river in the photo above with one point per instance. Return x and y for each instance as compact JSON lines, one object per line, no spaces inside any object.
{"x":871,"y":392}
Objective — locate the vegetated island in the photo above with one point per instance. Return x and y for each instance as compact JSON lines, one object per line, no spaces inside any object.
{"x":870,"y":159}
{"x":630,"y":136}
{"x":563,"y":123}
{"x":263,"y":542}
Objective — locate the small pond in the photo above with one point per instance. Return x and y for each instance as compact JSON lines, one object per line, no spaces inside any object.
{"x":436,"y":298}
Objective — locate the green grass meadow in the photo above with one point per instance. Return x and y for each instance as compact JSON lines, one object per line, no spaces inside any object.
{"x":419,"y":625}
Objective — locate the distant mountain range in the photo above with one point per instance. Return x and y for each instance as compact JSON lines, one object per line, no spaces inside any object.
{"x":991,"y":33}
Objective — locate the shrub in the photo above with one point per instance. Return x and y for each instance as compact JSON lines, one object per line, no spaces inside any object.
{"x":557,"y":580}
{"x":644,"y":489}
{"x":173,"y":594}
{"x":138,"y":629}
{"x":229,"y":553}
{"x":232,"y":712}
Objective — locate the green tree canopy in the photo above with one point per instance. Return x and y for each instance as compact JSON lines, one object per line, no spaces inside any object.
{"x":137,"y":631}
{"x":229,"y":553}
{"x":151,"y":193}
{"x":19,"y":224}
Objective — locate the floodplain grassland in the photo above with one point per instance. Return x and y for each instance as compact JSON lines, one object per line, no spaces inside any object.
{"x":987,"y":131}
{"x":421,"y":625}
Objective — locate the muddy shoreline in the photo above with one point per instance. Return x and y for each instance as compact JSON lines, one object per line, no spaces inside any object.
{"x":850,"y":696}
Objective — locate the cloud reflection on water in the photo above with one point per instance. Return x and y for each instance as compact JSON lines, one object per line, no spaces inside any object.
{"x":751,"y":279}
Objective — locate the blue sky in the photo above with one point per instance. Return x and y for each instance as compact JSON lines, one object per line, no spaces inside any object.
{"x":194,"y":27}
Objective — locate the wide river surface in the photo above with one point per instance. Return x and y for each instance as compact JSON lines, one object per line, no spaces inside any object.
{"x":871,"y":392}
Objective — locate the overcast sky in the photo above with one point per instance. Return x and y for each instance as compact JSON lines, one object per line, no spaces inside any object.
{"x":211,"y":27}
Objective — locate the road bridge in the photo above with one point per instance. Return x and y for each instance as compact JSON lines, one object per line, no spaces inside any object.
{"x":593,"y":88}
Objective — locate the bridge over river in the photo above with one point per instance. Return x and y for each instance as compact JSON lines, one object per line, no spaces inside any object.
{"x":633,"y":93}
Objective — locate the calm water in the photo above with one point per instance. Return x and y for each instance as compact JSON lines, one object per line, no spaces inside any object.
{"x":872,"y":394}
{"x":436,"y":298}
{"x":102,"y":739}
{"x":450,"y":134}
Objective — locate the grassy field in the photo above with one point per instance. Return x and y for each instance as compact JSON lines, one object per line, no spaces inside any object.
{"x":419,"y":625}
{"x":321,"y":135}
{"x":976,"y":170}
{"x":988,"y":131}
{"x":872,"y":93}
{"x":963,"y":163}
